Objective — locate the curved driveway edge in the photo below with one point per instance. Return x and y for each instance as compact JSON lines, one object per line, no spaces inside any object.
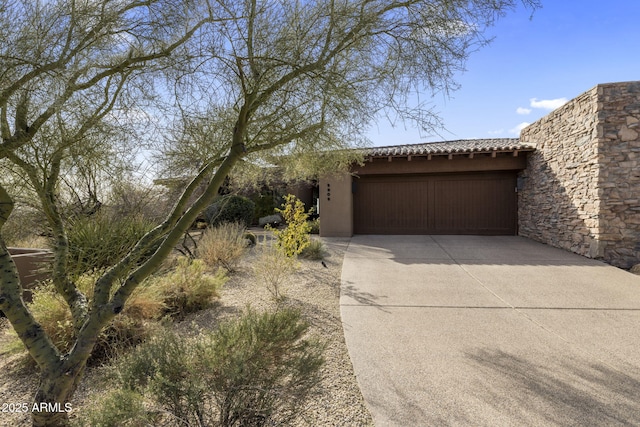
{"x":488,"y":331}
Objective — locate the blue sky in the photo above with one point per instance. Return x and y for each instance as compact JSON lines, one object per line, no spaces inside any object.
{"x":532,"y":65}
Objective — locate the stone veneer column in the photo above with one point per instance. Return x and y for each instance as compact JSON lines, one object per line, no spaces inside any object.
{"x":619,"y":179}
{"x":581,"y":188}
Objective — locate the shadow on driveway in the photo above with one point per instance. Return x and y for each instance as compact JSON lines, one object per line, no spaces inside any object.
{"x":475,"y":250}
{"x":573,"y":393}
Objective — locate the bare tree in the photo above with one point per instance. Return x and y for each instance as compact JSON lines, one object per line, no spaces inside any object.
{"x":288,"y":78}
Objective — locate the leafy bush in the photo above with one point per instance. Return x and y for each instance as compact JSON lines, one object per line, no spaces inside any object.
{"x":188,"y":288}
{"x":99,"y":241}
{"x":223,"y":245}
{"x":314,"y":226}
{"x":295,"y":237}
{"x":253,"y":371}
{"x":273,"y":269}
{"x":315,"y":250}
{"x":230,"y":209}
{"x":264,"y":205}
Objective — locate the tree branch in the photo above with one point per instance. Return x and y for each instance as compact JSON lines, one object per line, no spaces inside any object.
{"x":103,"y":285}
{"x":100,"y":315}
{"x":12,"y":305}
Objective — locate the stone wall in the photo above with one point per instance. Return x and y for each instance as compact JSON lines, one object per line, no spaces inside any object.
{"x":619,"y":158}
{"x":581,"y":188}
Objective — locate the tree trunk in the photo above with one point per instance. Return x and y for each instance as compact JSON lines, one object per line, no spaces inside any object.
{"x":52,"y":405}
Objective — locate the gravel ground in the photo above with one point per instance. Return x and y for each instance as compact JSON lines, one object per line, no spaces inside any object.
{"x":315,"y":290}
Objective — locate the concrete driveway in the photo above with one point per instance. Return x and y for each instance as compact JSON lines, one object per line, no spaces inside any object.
{"x":490,"y":331}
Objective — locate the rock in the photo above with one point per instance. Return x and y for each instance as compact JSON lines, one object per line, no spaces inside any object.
{"x":270,"y":219}
{"x":635,"y":269}
{"x":627,"y":134}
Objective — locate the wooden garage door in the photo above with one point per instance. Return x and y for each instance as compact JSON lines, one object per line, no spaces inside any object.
{"x":471,"y":203}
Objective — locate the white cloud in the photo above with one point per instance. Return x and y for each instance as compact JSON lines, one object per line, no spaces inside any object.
{"x":516,"y":130}
{"x":548,"y":104}
{"x":523,"y":111}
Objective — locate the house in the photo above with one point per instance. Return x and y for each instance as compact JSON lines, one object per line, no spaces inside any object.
{"x":572,"y":180}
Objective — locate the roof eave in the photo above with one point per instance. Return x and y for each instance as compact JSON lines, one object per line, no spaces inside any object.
{"x":452,"y":153}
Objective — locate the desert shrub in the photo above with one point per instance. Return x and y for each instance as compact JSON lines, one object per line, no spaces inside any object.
{"x":250,"y":238}
{"x":99,"y":241}
{"x":164,"y":369}
{"x":185,"y":289}
{"x":188,"y":288}
{"x":223,"y":245}
{"x":230,"y":209}
{"x":52,"y":312}
{"x":315,"y":250}
{"x":314,"y":226}
{"x":253,"y":371}
{"x":145,"y":302}
{"x":125,"y":330}
{"x":260,"y":369}
{"x":114,"y":409}
{"x":295,"y":237}
{"x":274,"y":269}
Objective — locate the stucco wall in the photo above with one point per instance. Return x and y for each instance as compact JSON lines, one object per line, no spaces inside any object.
{"x":581,"y":187}
{"x":336,"y":206}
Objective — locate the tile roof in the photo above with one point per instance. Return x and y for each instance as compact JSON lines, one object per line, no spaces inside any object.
{"x":462,"y":146}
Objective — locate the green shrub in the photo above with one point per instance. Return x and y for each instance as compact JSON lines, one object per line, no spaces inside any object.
{"x":295,"y":237}
{"x":188,"y":288}
{"x":264,"y":205}
{"x":250,"y":238}
{"x":114,"y":409}
{"x":260,"y":369}
{"x":163,"y":368}
{"x":253,"y":371}
{"x":315,"y":250}
{"x":230,"y":209}
{"x":314,"y":226}
{"x":99,"y":241}
{"x":223,"y":245}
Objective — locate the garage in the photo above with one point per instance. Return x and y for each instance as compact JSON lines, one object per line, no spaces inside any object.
{"x":482,"y":203}
{"x":452,"y":187}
